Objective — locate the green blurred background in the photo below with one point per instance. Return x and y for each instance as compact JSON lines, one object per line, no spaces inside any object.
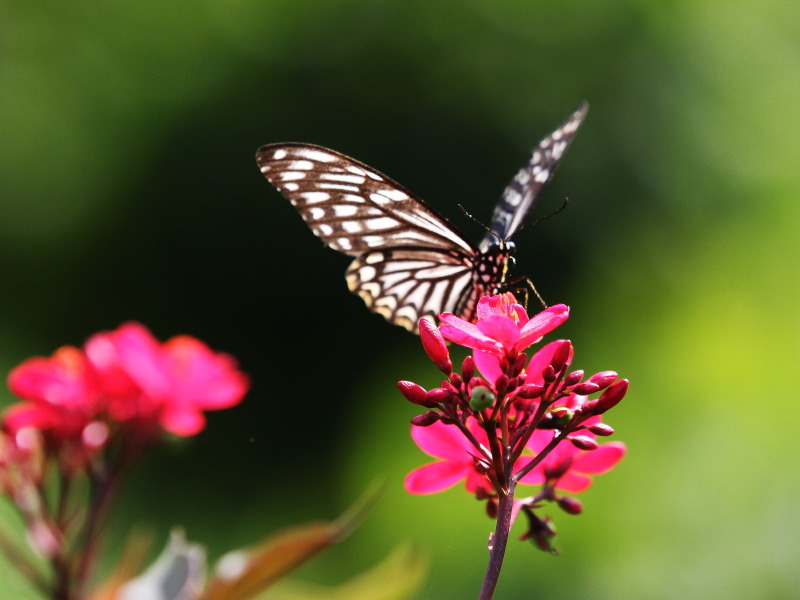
{"x":129,"y":190}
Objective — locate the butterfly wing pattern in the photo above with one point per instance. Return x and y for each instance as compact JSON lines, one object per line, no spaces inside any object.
{"x":410,"y":261}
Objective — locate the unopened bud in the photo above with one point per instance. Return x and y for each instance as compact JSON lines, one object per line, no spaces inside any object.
{"x":603,"y":379}
{"x":481,"y":399}
{"x":501,"y":383}
{"x":455,"y":380}
{"x":562,"y":355}
{"x":549,"y":374}
{"x":425,"y":419}
{"x":436,"y":396}
{"x":601,"y":429}
{"x":468,"y":368}
{"x":573,"y":377}
{"x":434,"y":345}
{"x":585,"y":388}
{"x":519,"y":364}
{"x":559,"y":469}
{"x":612,"y":396}
{"x":570,"y":505}
{"x":530,"y":391}
{"x":584,"y":442}
{"x":416,"y":394}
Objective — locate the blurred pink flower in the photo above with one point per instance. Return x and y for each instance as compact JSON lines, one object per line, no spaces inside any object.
{"x":125,"y":375}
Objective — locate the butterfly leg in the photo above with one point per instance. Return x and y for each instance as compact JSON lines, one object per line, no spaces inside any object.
{"x":523,"y":288}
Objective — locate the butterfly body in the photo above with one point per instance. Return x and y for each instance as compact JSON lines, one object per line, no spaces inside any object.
{"x":410,"y":261}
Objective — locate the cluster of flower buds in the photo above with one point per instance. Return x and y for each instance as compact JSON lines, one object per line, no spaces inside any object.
{"x":504,"y":416}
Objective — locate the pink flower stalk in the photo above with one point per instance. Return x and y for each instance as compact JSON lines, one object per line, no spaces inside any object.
{"x":514,"y":421}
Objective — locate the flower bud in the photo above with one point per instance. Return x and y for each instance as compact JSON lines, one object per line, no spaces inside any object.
{"x":501,"y":383}
{"x":549,"y":374}
{"x":468,"y":368}
{"x":529,"y":391}
{"x":570,"y":505}
{"x":414,"y":393}
{"x":519,"y":364}
{"x":604,"y":378}
{"x":601,"y":429}
{"x":481,"y":399}
{"x":425,"y":419}
{"x":573,"y":377}
{"x":434,"y":345}
{"x":612,"y":396}
{"x":455,"y":380}
{"x":559,"y":469}
{"x":561,"y":355}
{"x":585,"y":388}
{"x":584,"y":442}
{"x":436,"y":396}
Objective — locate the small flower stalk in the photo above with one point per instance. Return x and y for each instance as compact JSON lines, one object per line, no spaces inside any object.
{"x":87,"y":415}
{"x":508,"y":419}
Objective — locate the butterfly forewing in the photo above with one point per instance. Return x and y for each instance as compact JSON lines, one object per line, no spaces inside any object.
{"x":520,"y":195}
{"x":352,"y":207}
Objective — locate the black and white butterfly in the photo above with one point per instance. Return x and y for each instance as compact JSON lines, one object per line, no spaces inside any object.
{"x":410,"y":261}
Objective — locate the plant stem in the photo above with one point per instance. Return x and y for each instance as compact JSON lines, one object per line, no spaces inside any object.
{"x":499,"y":543}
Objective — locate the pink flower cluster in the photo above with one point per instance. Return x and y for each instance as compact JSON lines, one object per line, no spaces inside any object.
{"x":126,"y":378}
{"x":505,"y":419}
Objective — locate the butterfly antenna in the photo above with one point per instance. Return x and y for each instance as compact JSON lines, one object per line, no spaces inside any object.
{"x":540,"y":219}
{"x":474,"y":220}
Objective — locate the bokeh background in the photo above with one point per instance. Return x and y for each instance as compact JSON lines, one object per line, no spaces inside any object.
{"x":129,"y":190}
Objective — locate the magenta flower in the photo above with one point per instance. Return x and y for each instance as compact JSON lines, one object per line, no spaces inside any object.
{"x":503,"y":330}
{"x":457,"y":456}
{"x":521,"y":421}
{"x":574,"y":465}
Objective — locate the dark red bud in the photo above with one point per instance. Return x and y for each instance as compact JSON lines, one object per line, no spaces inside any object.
{"x":413,"y":393}
{"x":560,"y":412}
{"x":491,"y":508}
{"x":519,"y":364}
{"x":436,"y":396}
{"x":558,"y":470}
{"x":501,"y":384}
{"x":549,"y":374}
{"x":570,"y":505}
{"x":584,"y":442}
{"x":585,"y":388}
{"x":603,"y":378}
{"x":561,"y":355}
{"x":425,"y":419}
{"x":612,"y":396}
{"x":468,"y":368}
{"x":456,"y":380}
{"x":573,"y":378}
{"x":530,"y":391}
{"x":601,"y":429}
{"x":434,"y":345}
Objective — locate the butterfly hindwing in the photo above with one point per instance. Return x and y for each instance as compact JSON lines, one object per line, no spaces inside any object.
{"x":406,"y":284}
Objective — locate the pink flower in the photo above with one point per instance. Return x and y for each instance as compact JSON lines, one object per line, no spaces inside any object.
{"x":503,"y":330}
{"x":449,"y":444}
{"x":61,"y":392}
{"x":577,"y":465}
{"x":126,"y":376}
{"x":171,"y":383}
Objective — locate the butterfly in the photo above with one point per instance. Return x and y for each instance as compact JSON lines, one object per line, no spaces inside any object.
{"x":410,"y":261}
